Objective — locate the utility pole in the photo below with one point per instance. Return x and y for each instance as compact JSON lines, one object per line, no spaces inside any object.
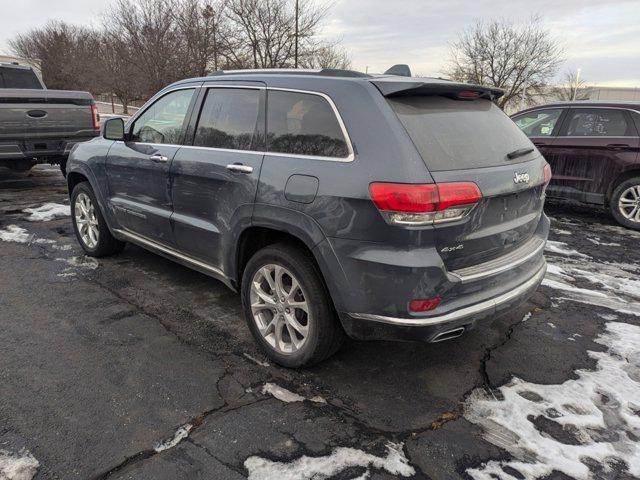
{"x":575,"y":88}
{"x":296,"y":48}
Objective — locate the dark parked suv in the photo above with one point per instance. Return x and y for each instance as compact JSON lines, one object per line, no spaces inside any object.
{"x":383,"y":207}
{"x":593,"y":148}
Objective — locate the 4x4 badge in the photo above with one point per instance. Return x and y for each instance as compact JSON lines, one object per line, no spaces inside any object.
{"x":521,"y":178}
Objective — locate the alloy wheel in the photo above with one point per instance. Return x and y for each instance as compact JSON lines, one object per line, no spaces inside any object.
{"x":279,"y":308}
{"x":86,"y":220}
{"x":629,"y":203}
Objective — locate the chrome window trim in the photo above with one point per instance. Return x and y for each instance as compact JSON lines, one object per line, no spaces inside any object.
{"x":349,"y":158}
{"x":462,"y":313}
{"x":343,"y":128}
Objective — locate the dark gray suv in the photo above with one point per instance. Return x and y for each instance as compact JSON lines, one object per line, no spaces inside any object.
{"x":383,"y":207}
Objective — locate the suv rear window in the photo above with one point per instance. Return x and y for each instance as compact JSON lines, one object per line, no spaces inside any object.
{"x":456,"y":134}
{"x":303,"y":124}
{"x":19,"y":78}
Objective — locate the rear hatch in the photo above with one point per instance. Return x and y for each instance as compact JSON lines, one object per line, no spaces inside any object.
{"x":27,"y":114}
{"x":463,"y":136}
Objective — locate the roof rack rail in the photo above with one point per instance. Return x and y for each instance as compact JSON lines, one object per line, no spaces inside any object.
{"x":322,"y":72}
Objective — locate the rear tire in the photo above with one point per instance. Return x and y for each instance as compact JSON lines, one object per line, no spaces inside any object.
{"x":277,"y":281}
{"x":625,"y":203}
{"x":89,"y":224}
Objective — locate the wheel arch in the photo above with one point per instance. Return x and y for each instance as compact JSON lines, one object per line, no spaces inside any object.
{"x":626,"y":175}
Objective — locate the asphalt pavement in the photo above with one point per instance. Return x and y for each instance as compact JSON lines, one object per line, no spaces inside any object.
{"x":134,"y":367}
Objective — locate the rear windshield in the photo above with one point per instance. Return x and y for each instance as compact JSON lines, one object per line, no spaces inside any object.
{"x":18,"y":78}
{"x":457,"y":134}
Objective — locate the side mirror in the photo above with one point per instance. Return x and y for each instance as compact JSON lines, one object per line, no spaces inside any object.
{"x":113,"y":129}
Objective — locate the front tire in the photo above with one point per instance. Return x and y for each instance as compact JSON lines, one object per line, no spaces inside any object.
{"x":287,"y":307}
{"x":89,"y":225}
{"x":625,"y":203}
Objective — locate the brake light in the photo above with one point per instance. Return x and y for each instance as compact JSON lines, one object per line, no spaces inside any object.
{"x":547,"y":174}
{"x":424,"y":305}
{"x":96,"y":117}
{"x":467,"y":95}
{"x":418,"y":205}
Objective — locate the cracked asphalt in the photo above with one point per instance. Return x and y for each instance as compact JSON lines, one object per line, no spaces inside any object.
{"x":101,"y":363}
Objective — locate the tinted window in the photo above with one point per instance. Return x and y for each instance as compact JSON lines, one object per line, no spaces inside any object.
{"x":455,"y":134}
{"x":539,"y":123}
{"x":163,"y":122}
{"x":229,"y":119}
{"x":598,"y":122}
{"x":303,"y":124}
{"x":19,"y":78}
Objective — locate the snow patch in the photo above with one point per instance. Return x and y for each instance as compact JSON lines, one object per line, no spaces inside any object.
{"x":288,"y":396}
{"x":563,"y":249}
{"x":47,"y":212}
{"x":81,"y":262}
{"x":319,"y":468}
{"x":181,"y":434}
{"x":256,"y":361}
{"x":14,"y":233}
{"x":22,"y":466}
{"x":526,"y":317}
{"x":598,"y":410}
{"x":560,"y":231}
{"x":596,"y":241}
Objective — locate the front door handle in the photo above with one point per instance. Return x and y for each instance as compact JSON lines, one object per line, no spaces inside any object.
{"x":159,"y":158}
{"x":618,"y":146}
{"x":239,"y":168}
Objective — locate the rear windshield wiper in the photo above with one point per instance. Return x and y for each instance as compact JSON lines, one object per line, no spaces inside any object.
{"x":519,"y":153}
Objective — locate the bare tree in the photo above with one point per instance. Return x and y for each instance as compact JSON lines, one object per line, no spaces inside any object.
{"x":326,"y":56}
{"x":68,"y":54}
{"x":517,"y":58}
{"x":266,"y":29}
{"x":573,"y":88}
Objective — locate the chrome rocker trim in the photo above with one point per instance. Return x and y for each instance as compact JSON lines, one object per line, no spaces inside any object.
{"x":463,"y":312}
{"x":146,"y":243}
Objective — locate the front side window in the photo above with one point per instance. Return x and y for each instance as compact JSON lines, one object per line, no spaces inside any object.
{"x":538,"y":123}
{"x":163,"y":122}
{"x":229,"y":119}
{"x":303,"y":124}
{"x":598,"y":122}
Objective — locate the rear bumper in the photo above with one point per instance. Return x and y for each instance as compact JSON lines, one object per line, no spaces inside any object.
{"x":40,"y":150}
{"x":440,"y":327}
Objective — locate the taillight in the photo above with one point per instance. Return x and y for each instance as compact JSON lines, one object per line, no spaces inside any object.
{"x":418,"y":205}
{"x":96,"y":117}
{"x":547,"y":174}
{"x":468,"y":95}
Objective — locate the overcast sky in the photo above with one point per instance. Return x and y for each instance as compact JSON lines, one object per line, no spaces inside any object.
{"x":602,"y":37}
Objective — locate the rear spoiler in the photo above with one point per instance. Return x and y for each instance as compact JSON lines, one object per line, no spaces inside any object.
{"x":394,"y":87}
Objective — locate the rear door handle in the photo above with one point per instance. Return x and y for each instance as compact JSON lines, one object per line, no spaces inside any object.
{"x":159,"y":158}
{"x":618,"y":146}
{"x":239,"y":168}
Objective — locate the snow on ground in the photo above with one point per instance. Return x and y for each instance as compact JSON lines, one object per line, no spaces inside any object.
{"x":14,"y":233}
{"x":256,"y":361}
{"x":22,"y":466}
{"x":47,"y":211}
{"x":288,"y":396}
{"x":563,"y":249}
{"x":181,"y":434}
{"x":319,"y":468}
{"x":81,"y":262}
{"x":597,"y":416}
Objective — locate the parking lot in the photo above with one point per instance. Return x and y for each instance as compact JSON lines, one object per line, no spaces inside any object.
{"x":134,"y":367}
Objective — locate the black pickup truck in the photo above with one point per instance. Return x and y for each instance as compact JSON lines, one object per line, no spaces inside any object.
{"x":39,"y":125}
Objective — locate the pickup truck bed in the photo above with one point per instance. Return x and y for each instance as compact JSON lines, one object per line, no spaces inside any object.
{"x":41,"y":126}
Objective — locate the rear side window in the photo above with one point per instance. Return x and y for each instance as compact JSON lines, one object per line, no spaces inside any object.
{"x":454,"y":134}
{"x":303,"y":124}
{"x":539,"y":123}
{"x":598,"y":122}
{"x":163,"y":122}
{"x":19,"y":78}
{"x":229,"y":119}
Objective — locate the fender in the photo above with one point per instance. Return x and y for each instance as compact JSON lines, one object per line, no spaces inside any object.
{"x":304,"y":228}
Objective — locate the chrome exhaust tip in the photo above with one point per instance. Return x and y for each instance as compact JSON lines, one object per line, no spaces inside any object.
{"x":448,"y":335}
